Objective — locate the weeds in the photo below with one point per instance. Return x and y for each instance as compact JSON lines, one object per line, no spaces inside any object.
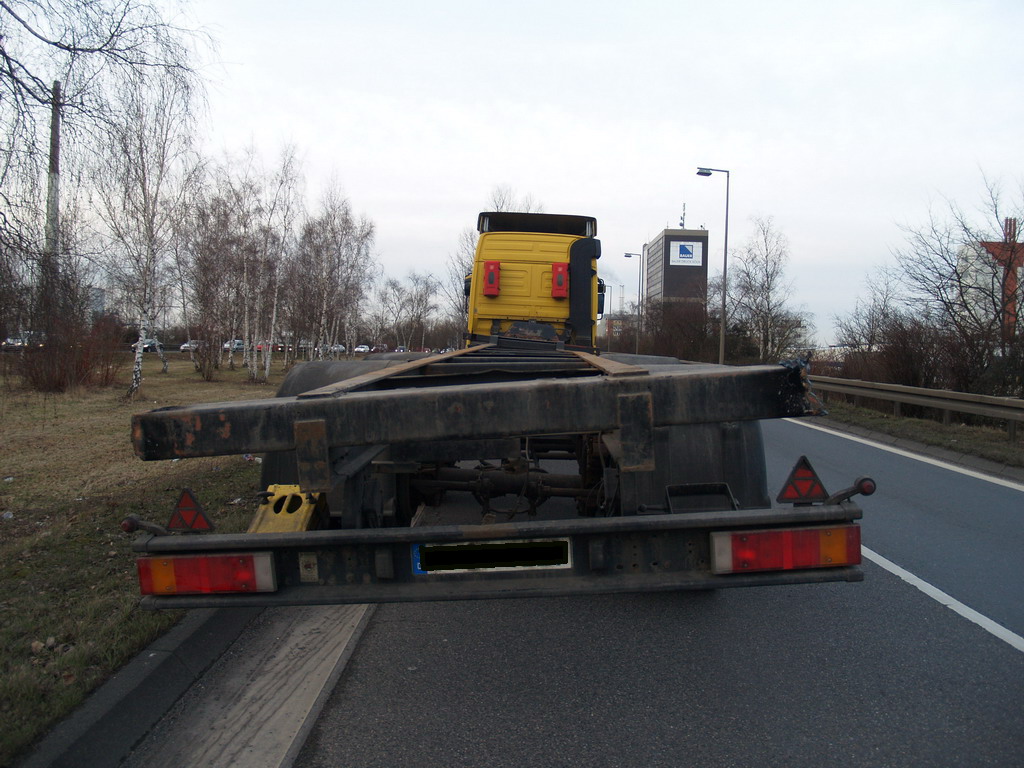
{"x":984,"y":442}
{"x":68,"y":606}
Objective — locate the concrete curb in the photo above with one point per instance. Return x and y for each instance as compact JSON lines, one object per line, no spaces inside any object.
{"x":104,"y":729}
{"x":328,"y":688}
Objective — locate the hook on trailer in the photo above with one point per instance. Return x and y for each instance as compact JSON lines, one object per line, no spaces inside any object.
{"x":865,"y":486}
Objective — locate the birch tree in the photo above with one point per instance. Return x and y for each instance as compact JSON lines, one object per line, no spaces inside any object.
{"x":91,"y":47}
{"x":331,"y":274}
{"x":142,"y":191}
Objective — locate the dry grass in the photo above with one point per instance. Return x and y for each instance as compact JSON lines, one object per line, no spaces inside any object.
{"x":985,"y":442}
{"x":68,"y":608}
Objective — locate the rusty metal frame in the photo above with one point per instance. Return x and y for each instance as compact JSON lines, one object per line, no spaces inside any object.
{"x":586,"y":404}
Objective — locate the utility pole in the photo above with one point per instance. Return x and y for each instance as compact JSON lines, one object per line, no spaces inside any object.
{"x":47,"y":310}
{"x":53,"y":177}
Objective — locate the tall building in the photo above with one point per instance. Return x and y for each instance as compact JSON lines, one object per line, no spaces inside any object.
{"x":677,"y":267}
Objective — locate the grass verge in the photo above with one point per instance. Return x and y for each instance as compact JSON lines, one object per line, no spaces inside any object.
{"x":68,"y":608}
{"x":984,"y":442}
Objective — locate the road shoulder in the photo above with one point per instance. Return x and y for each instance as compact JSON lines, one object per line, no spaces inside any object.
{"x":119,"y":713}
{"x":1016,"y":474}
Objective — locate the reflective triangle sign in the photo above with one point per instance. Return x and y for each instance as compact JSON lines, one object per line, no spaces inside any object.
{"x":188,"y":514}
{"x":803,"y":485}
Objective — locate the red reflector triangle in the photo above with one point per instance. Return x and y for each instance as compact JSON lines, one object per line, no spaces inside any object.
{"x":803,"y":485}
{"x":188,"y":514}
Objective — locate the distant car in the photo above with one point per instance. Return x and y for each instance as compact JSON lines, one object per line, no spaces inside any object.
{"x":379,"y":348}
{"x":150,"y":345}
{"x":401,"y":349}
{"x":238,"y":345}
{"x":276,"y":346}
{"x":362,"y":349}
{"x":15,"y":342}
{"x":192,"y":345}
{"x":338,"y":349}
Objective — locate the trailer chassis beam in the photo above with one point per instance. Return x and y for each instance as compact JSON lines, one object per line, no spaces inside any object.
{"x":472,"y":412}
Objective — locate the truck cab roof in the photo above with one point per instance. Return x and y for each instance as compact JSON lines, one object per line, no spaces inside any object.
{"x":547,"y":223}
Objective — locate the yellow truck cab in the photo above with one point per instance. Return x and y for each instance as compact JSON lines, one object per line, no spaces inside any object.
{"x":534,"y":281}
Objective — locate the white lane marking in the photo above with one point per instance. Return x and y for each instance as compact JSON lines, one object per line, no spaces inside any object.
{"x":926,"y":459}
{"x":950,"y":602}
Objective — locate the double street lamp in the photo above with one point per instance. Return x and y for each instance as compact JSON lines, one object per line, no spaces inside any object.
{"x":725,"y":258}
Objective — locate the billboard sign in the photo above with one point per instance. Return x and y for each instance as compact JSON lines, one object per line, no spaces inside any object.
{"x":682,"y":254}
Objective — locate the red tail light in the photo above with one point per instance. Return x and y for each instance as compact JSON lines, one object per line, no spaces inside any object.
{"x":207,"y":574}
{"x":559,"y":280}
{"x":785,"y":550}
{"x":492,"y":278}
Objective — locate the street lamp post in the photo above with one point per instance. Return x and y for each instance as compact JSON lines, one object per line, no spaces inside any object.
{"x":725,"y":258}
{"x":639,"y":291}
{"x":609,"y":310}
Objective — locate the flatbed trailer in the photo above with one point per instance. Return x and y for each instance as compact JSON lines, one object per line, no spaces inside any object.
{"x":666,"y":488}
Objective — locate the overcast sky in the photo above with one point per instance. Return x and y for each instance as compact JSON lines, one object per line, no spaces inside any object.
{"x":841,"y":121}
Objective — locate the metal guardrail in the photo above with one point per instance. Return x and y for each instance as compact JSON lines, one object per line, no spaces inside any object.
{"x":1008,"y":409}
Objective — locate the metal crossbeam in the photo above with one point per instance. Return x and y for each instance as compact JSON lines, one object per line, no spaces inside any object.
{"x":475,"y":411}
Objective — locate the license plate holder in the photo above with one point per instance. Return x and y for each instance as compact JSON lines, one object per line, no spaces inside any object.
{"x":493,"y":556}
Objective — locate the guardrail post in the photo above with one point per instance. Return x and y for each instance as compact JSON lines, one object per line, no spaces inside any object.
{"x":1011,"y":431}
{"x":947,"y":418}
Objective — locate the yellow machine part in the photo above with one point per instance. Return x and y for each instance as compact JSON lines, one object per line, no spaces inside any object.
{"x":285,"y":510}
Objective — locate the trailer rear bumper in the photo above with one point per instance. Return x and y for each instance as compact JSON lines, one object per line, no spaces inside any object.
{"x":462,"y":589}
{"x":639,"y":553}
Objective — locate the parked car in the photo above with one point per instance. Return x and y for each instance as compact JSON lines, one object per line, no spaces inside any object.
{"x":362,"y":349}
{"x":237,"y":345}
{"x":25,"y":340}
{"x":150,"y":345}
{"x":276,"y":346}
{"x":192,"y":344}
{"x":338,"y":349}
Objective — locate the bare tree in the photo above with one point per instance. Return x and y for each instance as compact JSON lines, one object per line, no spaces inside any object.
{"x":331,"y":274}
{"x":457,"y":268}
{"x":149,"y":174}
{"x":962,"y":271}
{"x":86,"y":44}
{"x":865,"y":327}
{"x":91,"y":47}
{"x":405,"y":309}
{"x":206,"y":274}
{"x":760,"y":294}
{"x":949,"y":272}
{"x":278,"y":244}
{"x":393,"y":311}
{"x":460,"y":263}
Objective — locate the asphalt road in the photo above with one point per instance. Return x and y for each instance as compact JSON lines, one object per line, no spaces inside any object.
{"x":875,"y":673}
{"x":957,"y":531}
